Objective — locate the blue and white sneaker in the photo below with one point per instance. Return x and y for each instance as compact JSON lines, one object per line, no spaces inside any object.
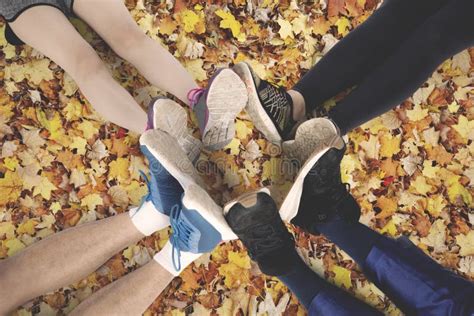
{"x":164,"y":191}
{"x":169,"y":116}
{"x":196,"y":220}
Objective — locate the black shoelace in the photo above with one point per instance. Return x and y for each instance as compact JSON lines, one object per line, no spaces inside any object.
{"x":275,"y":102}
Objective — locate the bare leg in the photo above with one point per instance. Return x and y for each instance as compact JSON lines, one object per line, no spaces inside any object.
{"x":111,"y":19}
{"x":130,"y":295}
{"x":62,"y":259}
{"x":47,"y":29}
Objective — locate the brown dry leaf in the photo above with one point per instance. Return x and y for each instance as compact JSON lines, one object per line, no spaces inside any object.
{"x":422,"y":224}
{"x":387,"y":205}
{"x":336,"y":7}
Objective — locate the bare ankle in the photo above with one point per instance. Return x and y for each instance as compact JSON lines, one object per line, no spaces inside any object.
{"x":299,"y":105}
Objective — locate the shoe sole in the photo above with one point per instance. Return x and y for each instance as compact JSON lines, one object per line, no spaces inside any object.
{"x":196,"y":198}
{"x":313,"y":139}
{"x":170,"y":117}
{"x":249,"y":198}
{"x":227,"y":97}
{"x":172,"y":157}
{"x":254,"y":108}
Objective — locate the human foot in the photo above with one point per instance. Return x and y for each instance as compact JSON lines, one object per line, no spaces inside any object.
{"x":255,"y":220}
{"x":169,"y":116}
{"x":270,"y":107}
{"x":312,"y":140}
{"x":196,"y":220}
{"x":217,"y":106}
{"x":325,"y":197}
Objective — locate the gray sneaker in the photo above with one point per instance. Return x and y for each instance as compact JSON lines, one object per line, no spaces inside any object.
{"x":217,"y":106}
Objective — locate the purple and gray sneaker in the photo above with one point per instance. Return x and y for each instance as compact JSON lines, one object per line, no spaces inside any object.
{"x":217,"y":106}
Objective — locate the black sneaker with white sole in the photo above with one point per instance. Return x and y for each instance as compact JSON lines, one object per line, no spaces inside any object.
{"x":325,"y":197}
{"x":270,"y":107}
{"x":254,"y":218}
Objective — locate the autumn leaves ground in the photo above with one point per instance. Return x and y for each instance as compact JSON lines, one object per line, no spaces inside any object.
{"x":411,"y":170}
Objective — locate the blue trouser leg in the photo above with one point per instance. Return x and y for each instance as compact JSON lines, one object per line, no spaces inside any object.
{"x":335,"y":302}
{"x":321,"y":297}
{"x":415,"y":282}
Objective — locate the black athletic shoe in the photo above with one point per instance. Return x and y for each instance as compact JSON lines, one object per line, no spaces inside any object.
{"x":270,"y":107}
{"x":254,"y":218}
{"x":325,"y":197}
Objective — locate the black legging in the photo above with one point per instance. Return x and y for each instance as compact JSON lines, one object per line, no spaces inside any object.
{"x":388,"y":57}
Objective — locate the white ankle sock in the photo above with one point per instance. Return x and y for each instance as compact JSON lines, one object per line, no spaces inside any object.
{"x":165,"y":259}
{"x":147,"y":219}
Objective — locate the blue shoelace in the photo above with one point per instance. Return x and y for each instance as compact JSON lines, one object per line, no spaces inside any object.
{"x":146,"y":197}
{"x":180,"y":235}
{"x":180,"y":232}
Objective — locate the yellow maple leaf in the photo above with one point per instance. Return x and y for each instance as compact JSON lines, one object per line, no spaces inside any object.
{"x":10,"y":51}
{"x":195,"y":69}
{"x":429,"y":170}
{"x":192,"y":22}
{"x":73,"y":109}
{"x":35,"y":71}
{"x":321,"y":25}
{"x":387,"y":205}
{"x":118,"y":169}
{"x":27,"y":227}
{"x":88,"y":129}
{"x":390,"y":228}
{"x":420,"y":186}
{"x":466,"y":243}
{"x":436,"y":204}
{"x":234,"y":146}
{"x":229,"y":22}
{"x":55,"y":207}
{"x":299,"y":24}
{"x":453,"y":107}
{"x":128,"y":253}
{"x":167,"y":26}
{"x":240,"y":259}
{"x":286,"y":30}
{"x":417,"y":113}
{"x":10,"y":187}
{"x":14,"y":246}
{"x":456,"y":190}
{"x":348,"y":165}
{"x":53,"y":125}
{"x":135,"y":192}
{"x":465,"y":128}
{"x":44,"y":188}
{"x":92,"y":201}
{"x":10,"y":163}
{"x":235,"y":271}
{"x":389,"y":145}
{"x":271,"y":169}
{"x":342,"y":276}
{"x":79,"y":144}
{"x":242,"y":130}
{"x":343,"y":25}
{"x":7,"y":229}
